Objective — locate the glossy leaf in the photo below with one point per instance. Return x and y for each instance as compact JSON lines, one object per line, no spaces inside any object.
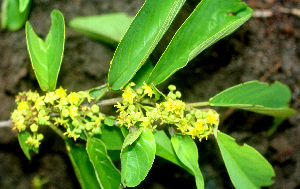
{"x":107,"y":174}
{"x":187,"y":152}
{"x":165,"y":149}
{"x":137,"y":159}
{"x":108,"y":28}
{"x":147,"y":28}
{"x":209,"y":22}
{"x":46,"y":56}
{"x":246,"y":167}
{"x":11,"y":17}
{"x":22,"y":137}
{"x":83,"y":168}
{"x":142,"y":75}
{"x":23,"y":4}
{"x":112,"y":137}
{"x":257,"y":97}
{"x":131,"y":137}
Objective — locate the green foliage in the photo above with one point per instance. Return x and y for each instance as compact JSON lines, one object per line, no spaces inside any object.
{"x":23,"y":4}
{"x":220,"y":19}
{"x":112,"y":137}
{"x":107,"y":174}
{"x":140,"y":39}
{"x":257,"y":97}
{"x":22,"y":137}
{"x":246,"y":167}
{"x":108,"y":28}
{"x":187,"y":152}
{"x":46,"y":57}
{"x":14,"y":14}
{"x":132,"y":136}
{"x":165,"y":149}
{"x":137,"y":159}
{"x":83,"y":168}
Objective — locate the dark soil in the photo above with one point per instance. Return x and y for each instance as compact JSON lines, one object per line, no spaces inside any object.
{"x":265,"y":49}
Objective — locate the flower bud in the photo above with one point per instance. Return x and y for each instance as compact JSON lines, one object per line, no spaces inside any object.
{"x":95,"y":109}
{"x":139,"y":91}
{"x":34,"y":127}
{"x":172,"y":87}
{"x":178,"y":94}
{"x":75,"y":123}
{"x":40,"y":137}
{"x":65,"y":113}
{"x":89,"y":126}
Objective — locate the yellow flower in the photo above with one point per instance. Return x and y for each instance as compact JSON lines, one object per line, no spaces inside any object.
{"x":148,"y":90}
{"x":200,"y":125}
{"x":73,"y":98}
{"x":212,"y":118}
{"x":61,"y":92}
{"x":50,"y":98}
{"x":38,"y":103}
{"x":146,"y":122}
{"x":128,"y":96}
{"x":23,"y":105}
{"x":73,"y":111}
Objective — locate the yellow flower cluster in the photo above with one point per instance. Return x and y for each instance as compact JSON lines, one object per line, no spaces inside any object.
{"x":34,"y":110}
{"x":170,"y":110}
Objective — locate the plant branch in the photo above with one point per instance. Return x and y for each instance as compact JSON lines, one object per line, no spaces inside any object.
{"x":196,"y":104}
{"x":4,"y":124}
{"x":57,"y":131}
{"x":111,"y":101}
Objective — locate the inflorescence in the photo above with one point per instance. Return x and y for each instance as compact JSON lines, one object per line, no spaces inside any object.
{"x":56,"y":108}
{"x":140,"y":107}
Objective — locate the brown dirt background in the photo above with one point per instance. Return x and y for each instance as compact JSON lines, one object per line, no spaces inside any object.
{"x":265,"y":49}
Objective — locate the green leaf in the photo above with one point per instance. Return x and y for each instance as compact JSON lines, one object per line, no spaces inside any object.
{"x":99,"y":92}
{"x":246,"y":167}
{"x":277,"y":121}
{"x":11,"y":17}
{"x":108,"y":28}
{"x":107,"y":174}
{"x":112,"y":137}
{"x":137,"y":159}
{"x":22,"y":137}
{"x":187,"y":152}
{"x":257,"y":97}
{"x":83,"y":168}
{"x":132,"y":137}
{"x":142,"y":75}
{"x":209,"y":22}
{"x":46,"y":56}
{"x":23,"y":4}
{"x":165,"y":149}
{"x":142,"y":36}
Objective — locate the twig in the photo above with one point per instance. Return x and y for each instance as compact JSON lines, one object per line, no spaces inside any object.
{"x":262,"y":13}
{"x":111,"y":101}
{"x":267,"y":13}
{"x":4,"y":124}
{"x":295,"y":12}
